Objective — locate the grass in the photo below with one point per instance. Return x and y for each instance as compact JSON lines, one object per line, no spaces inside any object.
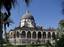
{"x":31,"y":45}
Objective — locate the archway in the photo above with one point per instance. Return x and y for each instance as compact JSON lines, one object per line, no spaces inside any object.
{"x":23,"y":34}
{"x":34,"y":35}
{"x":28,"y":34}
{"x":39,"y":34}
{"x":49,"y":34}
{"x":14,"y":35}
{"x":17,"y":34}
{"x":44,"y":34}
{"x":53,"y":35}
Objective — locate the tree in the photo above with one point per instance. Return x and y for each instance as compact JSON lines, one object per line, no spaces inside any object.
{"x":49,"y":44}
{"x":60,"y":42}
{"x":5,"y":25}
{"x":61,"y":24}
{"x":7,"y":5}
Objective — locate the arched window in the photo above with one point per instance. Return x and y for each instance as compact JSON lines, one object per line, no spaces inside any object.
{"x":53,"y":35}
{"x":28,"y":34}
{"x":39,"y":34}
{"x":44,"y":34}
{"x":34,"y":35}
{"x":23,"y":34}
{"x":17,"y":34}
{"x":49,"y":34}
{"x":14,"y":35}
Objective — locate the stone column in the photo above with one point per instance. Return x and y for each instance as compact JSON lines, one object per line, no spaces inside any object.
{"x":36,"y":35}
{"x":31,"y":34}
{"x":26,"y":35}
{"x":51,"y":35}
{"x":46,"y":35}
{"x":42,"y":35}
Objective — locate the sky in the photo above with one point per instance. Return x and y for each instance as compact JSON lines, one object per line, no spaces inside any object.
{"x":47,"y":13}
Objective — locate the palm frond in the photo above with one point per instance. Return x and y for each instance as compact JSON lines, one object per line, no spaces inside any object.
{"x":8,"y":5}
{"x":27,"y":2}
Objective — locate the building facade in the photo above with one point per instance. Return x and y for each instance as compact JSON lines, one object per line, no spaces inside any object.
{"x":29,"y":33}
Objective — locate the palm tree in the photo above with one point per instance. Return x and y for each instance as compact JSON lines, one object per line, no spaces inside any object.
{"x":1,"y":31}
{"x":7,"y":5}
{"x":5,"y":25}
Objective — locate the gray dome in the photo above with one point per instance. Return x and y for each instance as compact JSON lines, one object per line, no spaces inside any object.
{"x":27,"y":15}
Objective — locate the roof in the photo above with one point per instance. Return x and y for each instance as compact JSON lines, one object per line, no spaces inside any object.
{"x":27,"y":15}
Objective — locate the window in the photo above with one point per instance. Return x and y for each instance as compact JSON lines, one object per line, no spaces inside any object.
{"x":28,"y":34}
{"x":53,"y":35}
{"x":49,"y":34}
{"x":34,"y":35}
{"x":17,"y":34}
{"x":14,"y":35}
{"x":39,"y":34}
{"x":23,"y":34}
{"x":44,"y":34}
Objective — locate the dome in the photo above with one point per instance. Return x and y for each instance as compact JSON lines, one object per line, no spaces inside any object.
{"x":27,"y":15}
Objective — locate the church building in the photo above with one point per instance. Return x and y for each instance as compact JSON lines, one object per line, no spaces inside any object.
{"x":29,"y":33}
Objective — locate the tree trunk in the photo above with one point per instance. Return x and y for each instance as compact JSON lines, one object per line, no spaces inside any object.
{"x":1,"y":31}
{"x":1,"y":35}
{"x":6,"y":38}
